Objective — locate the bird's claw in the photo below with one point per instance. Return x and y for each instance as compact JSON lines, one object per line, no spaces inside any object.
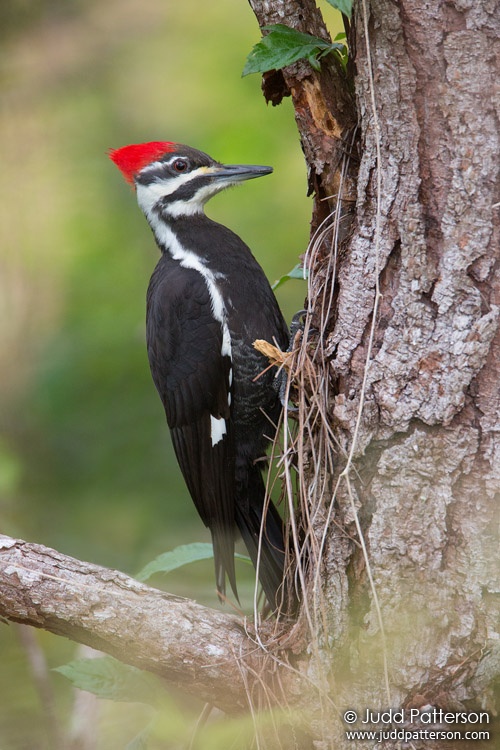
{"x":297,"y":324}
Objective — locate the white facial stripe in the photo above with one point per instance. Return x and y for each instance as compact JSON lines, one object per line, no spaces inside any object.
{"x":148,"y":195}
{"x":195,"y":204}
{"x":217,"y":429}
{"x":163,"y":186}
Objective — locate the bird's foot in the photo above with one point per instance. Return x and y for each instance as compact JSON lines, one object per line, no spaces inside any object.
{"x":297,"y":324}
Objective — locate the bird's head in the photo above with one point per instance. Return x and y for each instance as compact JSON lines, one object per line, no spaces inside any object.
{"x":177,"y":180}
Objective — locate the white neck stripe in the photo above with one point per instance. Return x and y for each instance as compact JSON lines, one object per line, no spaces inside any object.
{"x":167,"y":239}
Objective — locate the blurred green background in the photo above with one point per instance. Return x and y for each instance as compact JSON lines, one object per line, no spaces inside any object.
{"x":85,"y":459}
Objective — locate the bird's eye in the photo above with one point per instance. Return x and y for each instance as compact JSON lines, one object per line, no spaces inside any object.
{"x":180,"y":165}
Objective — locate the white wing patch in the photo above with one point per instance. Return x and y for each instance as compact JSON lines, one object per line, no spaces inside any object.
{"x":230,"y":384}
{"x":217,"y":429}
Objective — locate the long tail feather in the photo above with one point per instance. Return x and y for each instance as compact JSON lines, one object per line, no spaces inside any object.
{"x":262,"y":527}
{"x":223,"y":544}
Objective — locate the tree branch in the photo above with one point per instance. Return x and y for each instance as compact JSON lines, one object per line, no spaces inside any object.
{"x":204,"y":652}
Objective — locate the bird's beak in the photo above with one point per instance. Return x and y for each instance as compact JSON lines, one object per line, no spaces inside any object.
{"x":238,"y":172}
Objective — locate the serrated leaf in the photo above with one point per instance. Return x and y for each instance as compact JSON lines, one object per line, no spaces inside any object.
{"x":345,"y":6}
{"x":283,"y":46}
{"x":108,"y":678}
{"x":176,"y":558}
{"x":297,"y":272}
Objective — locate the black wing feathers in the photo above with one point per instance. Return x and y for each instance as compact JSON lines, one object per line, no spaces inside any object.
{"x":192,"y":377}
{"x":262,"y":532}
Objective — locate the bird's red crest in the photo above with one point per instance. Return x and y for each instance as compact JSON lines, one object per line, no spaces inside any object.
{"x":131,"y":159}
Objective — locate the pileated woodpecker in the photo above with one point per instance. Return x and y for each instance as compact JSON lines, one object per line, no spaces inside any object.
{"x":208,"y":300}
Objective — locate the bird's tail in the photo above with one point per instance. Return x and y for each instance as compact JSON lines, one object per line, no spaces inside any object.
{"x":261,"y":528}
{"x":223,"y":546}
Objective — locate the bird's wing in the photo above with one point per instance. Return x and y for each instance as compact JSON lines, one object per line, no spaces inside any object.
{"x":193,"y":377}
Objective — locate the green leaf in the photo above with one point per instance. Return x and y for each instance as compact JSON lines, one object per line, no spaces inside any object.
{"x":176,"y":558}
{"x":284,"y":46}
{"x":345,"y":6}
{"x":140,"y":742}
{"x":297,"y":272}
{"x":108,"y":678}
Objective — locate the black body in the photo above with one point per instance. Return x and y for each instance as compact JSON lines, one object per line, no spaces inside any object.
{"x":197,"y":380}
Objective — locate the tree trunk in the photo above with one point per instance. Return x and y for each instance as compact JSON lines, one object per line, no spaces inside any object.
{"x":398,"y":370}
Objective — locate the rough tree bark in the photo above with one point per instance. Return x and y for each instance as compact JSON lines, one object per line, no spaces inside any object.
{"x":409,"y":347}
{"x":398,"y":391}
